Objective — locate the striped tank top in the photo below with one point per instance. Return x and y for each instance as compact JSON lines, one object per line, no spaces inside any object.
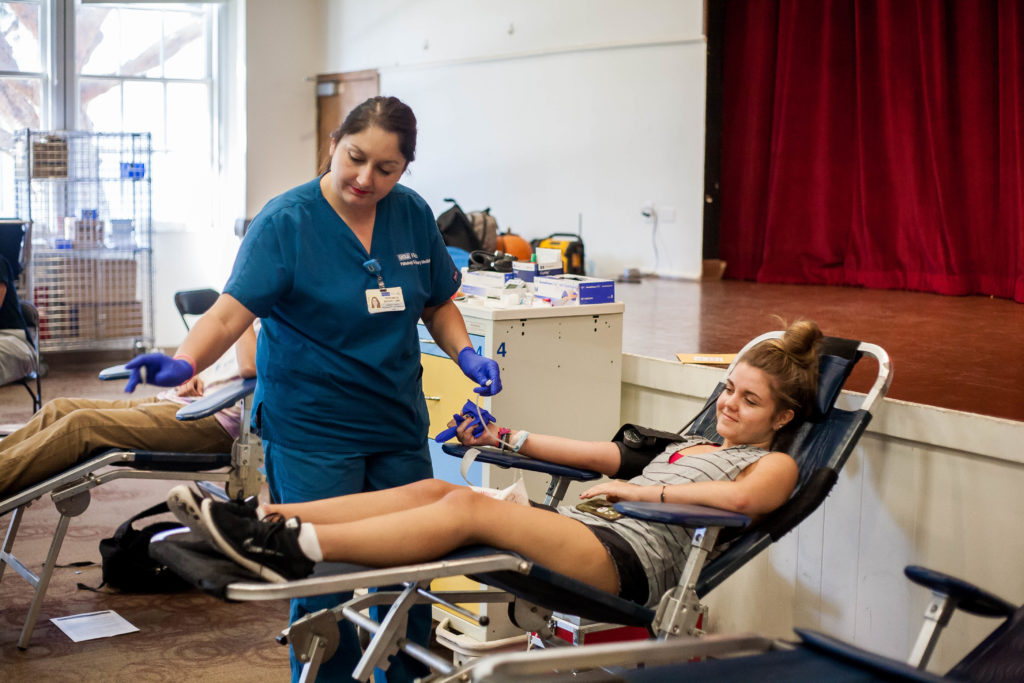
{"x":662,"y":548}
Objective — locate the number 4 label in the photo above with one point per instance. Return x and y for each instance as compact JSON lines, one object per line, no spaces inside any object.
{"x":501,"y":350}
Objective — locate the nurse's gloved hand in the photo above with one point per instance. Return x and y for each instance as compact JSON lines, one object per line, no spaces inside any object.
{"x":159,"y":369}
{"x":481,"y":370}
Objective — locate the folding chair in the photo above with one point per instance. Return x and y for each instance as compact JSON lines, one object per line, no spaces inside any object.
{"x":12,"y":248}
{"x":69,"y":490}
{"x":194,"y":302}
{"x":815,"y":657}
{"x":33,"y":380}
{"x":533,"y":592}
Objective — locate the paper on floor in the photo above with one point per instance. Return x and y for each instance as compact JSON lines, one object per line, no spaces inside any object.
{"x":90,"y":625}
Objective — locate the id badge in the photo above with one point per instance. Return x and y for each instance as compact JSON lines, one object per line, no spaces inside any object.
{"x":385,"y":300}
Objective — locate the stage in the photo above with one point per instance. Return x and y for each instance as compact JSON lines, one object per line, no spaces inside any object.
{"x":960,"y":353}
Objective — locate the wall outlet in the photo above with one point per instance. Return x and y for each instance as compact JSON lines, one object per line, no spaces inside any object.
{"x":647,"y":211}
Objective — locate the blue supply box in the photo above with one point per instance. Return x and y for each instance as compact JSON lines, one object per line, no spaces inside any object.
{"x":571,"y":290}
{"x":528,"y":270}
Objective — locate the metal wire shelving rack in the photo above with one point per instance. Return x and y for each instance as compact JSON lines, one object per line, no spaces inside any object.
{"x":86,"y":197}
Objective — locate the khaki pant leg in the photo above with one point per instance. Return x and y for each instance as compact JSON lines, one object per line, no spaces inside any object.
{"x":141,"y":425}
{"x":54,"y":410}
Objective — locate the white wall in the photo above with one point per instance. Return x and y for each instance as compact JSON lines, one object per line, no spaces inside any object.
{"x":541,"y":110}
{"x":547,"y":110}
{"x":270,"y":145}
{"x":925,"y":485}
{"x":284,"y":49}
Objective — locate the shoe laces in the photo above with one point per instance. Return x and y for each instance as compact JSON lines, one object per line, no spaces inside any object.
{"x":271,"y":525}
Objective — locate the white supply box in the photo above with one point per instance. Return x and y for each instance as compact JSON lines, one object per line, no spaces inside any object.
{"x":484,"y":283}
{"x":571,"y":290}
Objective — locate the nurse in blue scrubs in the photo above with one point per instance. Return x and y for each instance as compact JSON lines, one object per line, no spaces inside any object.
{"x":340,"y":270}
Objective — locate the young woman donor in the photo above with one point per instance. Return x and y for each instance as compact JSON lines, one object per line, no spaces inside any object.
{"x":771,"y":388}
{"x":339,"y":402}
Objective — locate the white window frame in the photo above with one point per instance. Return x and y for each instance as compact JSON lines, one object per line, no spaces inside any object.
{"x":60,"y":92}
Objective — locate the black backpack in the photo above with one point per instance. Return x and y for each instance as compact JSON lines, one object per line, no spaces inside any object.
{"x":471,"y":231}
{"x":127,"y":565}
{"x":457,"y":229}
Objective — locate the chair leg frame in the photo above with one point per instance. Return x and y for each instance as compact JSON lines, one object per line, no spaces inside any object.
{"x":68,"y":508}
{"x":936,"y":617}
{"x":680,"y":608}
{"x":314,"y":636}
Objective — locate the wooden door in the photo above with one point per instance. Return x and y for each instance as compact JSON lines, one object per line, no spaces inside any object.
{"x":336,"y":96}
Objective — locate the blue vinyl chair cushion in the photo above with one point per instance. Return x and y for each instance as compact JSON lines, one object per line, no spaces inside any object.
{"x":559,"y":592}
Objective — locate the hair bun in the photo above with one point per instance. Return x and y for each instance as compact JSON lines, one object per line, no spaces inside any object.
{"x":800,"y":341}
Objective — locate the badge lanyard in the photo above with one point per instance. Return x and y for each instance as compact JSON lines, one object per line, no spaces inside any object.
{"x":373,"y":268}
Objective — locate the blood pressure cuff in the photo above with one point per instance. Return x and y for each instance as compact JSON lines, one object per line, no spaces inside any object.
{"x":638,"y":446}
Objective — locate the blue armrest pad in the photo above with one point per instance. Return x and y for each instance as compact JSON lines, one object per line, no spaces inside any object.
{"x":217,"y":401}
{"x":683,"y":515}
{"x":968,"y":597}
{"x":495,"y":457}
{"x":115,"y":372}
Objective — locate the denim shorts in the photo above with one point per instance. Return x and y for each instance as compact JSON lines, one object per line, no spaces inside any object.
{"x":632,"y":578}
{"x":633,"y":584}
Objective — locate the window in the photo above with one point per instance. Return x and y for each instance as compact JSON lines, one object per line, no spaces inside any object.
{"x":137,"y":67}
{"x":24,"y":82}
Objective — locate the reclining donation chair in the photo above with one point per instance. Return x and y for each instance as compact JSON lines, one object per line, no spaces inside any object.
{"x":999,"y":658}
{"x":821,"y":446}
{"x":69,"y":490}
{"x":13,"y":234}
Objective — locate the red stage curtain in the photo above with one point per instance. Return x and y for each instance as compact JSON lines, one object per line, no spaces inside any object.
{"x":875,"y":143}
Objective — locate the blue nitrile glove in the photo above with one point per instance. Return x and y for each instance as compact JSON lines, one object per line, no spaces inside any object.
{"x":481,"y":370}
{"x":469,"y":409}
{"x":159,"y":369}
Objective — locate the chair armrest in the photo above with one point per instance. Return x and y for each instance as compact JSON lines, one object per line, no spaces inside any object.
{"x":967,"y":596}
{"x":217,"y":401}
{"x":115,"y":372}
{"x":683,"y":515}
{"x":884,"y":668}
{"x":493,"y":456}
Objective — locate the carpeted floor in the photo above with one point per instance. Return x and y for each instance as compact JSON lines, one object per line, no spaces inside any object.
{"x":184,"y":636}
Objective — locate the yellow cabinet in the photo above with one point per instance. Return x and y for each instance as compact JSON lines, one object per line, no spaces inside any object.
{"x":446,"y":390}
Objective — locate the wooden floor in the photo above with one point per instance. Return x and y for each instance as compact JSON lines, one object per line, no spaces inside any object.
{"x":962,"y":353}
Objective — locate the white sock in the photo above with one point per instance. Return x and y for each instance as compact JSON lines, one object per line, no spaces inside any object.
{"x":309,"y":543}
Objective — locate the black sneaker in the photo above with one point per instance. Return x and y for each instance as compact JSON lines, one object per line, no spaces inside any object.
{"x":270,"y":547}
{"x":186,"y":504}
